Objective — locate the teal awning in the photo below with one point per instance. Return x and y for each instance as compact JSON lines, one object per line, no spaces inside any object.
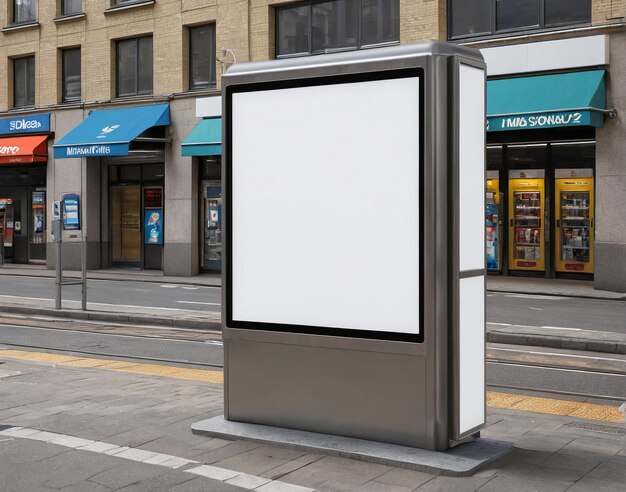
{"x":108,"y":132}
{"x":546,"y":101}
{"x":204,"y":139}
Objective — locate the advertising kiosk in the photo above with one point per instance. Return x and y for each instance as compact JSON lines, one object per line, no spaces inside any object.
{"x":363,"y":316}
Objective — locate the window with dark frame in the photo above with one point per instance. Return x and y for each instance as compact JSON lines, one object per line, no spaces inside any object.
{"x":24,"y":11}
{"x":202,"y":57}
{"x":71,"y":77}
{"x":134,"y":67}
{"x":24,"y":81}
{"x":325,"y":26}
{"x":71,"y":7}
{"x":476,"y":18}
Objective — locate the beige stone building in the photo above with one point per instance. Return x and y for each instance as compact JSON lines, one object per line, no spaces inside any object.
{"x":71,"y":67}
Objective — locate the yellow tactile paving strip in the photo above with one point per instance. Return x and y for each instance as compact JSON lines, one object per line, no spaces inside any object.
{"x":112,"y":365}
{"x":591,"y":411}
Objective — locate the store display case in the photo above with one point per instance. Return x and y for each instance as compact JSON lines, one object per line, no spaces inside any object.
{"x":574,"y":227}
{"x":527,"y":237}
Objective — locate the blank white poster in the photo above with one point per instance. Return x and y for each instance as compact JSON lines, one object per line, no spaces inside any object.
{"x":325,"y":217}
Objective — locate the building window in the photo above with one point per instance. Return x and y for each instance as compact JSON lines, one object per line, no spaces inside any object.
{"x":70,"y":7}
{"x":71,"y":75}
{"x":24,"y":81}
{"x":486,"y":17}
{"x":24,"y":11}
{"x":134,"y":67}
{"x":336,"y":25}
{"x":202,"y":57}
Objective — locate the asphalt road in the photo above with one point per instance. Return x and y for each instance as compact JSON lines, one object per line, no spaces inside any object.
{"x":518,"y":309}
{"x":562,"y":312}
{"x":125,"y":293}
{"x":591,"y":383}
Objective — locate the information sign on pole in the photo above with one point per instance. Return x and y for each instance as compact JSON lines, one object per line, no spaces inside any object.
{"x":70,"y":206}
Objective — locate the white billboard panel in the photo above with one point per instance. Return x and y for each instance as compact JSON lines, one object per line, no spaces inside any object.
{"x":471,"y":353}
{"x":325,"y":210}
{"x":471,"y":168}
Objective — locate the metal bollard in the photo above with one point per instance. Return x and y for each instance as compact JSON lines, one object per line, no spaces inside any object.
{"x":1,"y":249}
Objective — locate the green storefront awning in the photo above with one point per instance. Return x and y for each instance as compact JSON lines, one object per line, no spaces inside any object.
{"x":546,"y":101}
{"x":205,"y":139}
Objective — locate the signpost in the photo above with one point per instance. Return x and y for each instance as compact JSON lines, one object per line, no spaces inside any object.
{"x":364,"y":315}
{"x":66,"y":216}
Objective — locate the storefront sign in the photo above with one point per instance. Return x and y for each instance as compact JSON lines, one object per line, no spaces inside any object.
{"x":71,"y":212}
{"x":39,"y":198}
{"x":153,"y":227}
{"x":38,"y":123}
{"x":91,"y":151}
{"x":153,"y":197}
{"x":28,"y":149}
{"x":536,"y":121}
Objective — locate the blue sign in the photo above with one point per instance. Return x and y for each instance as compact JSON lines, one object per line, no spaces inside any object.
{"x":547,"y":120}
{"x":101,"y":150}
{"x":153,"y":226}
{"x":37,"y":123}
{"x":70,"y":206}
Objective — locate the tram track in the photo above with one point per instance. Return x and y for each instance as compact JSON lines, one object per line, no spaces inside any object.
{"x":509,"y":367}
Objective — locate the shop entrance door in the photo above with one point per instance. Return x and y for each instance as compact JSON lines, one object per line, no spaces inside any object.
{"x":126,"y":225}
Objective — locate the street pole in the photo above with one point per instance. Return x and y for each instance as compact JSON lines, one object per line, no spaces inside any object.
{"x":83,"y":234}
{"x":84,"y":273}
{"x":56,"y":231}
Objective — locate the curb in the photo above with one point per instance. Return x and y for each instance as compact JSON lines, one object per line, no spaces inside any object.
{"x":130,"y":318}
{"x":610,"y":296}
{"x":558,"y":342}
{"x":593,"y":342}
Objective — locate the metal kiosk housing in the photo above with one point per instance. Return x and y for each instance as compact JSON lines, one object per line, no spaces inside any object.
{"x":422,"y":387}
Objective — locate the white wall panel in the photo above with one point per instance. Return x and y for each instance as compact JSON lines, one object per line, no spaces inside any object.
{"x":561,"y":54}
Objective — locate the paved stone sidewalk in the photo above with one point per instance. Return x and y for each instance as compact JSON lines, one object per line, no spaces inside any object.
{"x":155,"y":414}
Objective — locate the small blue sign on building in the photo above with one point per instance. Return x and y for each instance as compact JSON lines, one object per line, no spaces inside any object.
{"x":36,"y":123}
{"x":70,"y":209}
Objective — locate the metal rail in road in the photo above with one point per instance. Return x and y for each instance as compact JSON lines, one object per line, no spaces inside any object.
{"x":575,"y":373}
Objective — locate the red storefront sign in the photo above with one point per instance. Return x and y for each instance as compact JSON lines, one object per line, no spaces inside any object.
{"x":24,"y":150}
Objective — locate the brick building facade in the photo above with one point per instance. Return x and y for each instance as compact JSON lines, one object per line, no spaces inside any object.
{"x":39,"y":38}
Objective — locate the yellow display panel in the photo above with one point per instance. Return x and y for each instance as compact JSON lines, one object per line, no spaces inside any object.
{"x":526,"y":224}
{"x":574,"y":230}
{"x":493,"y":185}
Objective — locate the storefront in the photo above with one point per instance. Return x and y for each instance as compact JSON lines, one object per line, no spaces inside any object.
{"x":23,"y":159}
{"x":128,"y":145}
{"x":540,"y":173}
{"x":204,"y":145}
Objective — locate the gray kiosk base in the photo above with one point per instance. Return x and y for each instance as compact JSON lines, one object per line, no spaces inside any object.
{"x":462,"y":460}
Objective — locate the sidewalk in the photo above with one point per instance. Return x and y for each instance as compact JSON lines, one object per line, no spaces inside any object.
{"x":120,"y":274}
{"x":550,"y":287}
{"x":131,"y":432}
